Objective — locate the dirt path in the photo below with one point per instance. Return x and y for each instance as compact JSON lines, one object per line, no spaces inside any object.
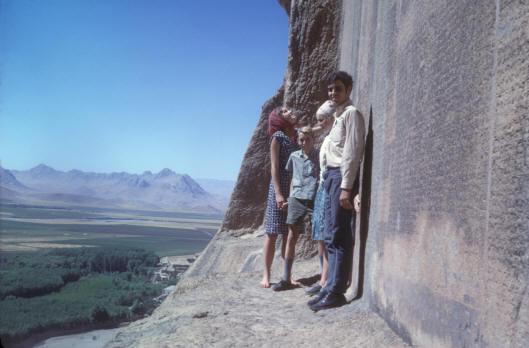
{"x":233,"y":311}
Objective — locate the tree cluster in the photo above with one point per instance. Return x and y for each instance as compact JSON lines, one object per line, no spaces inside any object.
{"x":72,"y":288}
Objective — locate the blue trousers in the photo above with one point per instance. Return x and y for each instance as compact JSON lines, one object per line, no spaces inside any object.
{"x":339,"y":227}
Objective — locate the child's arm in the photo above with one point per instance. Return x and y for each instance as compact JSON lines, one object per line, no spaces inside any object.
{"x":274,"y":166}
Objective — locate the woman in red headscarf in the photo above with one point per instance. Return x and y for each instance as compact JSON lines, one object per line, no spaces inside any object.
{"x":281,"y":129}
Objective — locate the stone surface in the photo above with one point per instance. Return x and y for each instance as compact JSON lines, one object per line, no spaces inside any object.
{"x":313,"y":54}
{"x":447,"y":87}
{"x":231,"y":310}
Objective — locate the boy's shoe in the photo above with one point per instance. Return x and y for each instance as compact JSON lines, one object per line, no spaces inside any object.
{"x":331,"y":300}
{"x":318,"y":298}
{"x":313,"y":290}
{"x":283,"y":285}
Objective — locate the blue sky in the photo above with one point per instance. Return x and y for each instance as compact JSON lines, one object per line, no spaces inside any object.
{"x":115,"y":85}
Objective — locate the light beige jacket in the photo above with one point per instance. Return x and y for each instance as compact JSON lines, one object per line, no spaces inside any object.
{"x":345,"y":148}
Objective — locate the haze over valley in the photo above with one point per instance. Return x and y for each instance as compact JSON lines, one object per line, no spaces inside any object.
{"x":165,"y":190}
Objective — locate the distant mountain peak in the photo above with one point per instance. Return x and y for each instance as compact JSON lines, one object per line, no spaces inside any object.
{"x":42,"y":168}
{"x":188,"y":180}
{"x":8,"y":180}
{"x":76,"y":172}
{"x":163,"y":190}
{"x":165,"y":172}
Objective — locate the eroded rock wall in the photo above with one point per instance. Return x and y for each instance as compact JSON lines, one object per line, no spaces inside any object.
{"x":446,"y":84}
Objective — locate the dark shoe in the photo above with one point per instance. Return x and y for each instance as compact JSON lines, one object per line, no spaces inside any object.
{"x":313,"y":290}
{"x":283,"y":285}
{"x":318,"y":297}
{"x":331,"y":300}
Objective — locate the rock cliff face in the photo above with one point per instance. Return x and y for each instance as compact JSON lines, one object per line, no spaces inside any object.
{"x":446,"y":84}
{"x":442,"y":248}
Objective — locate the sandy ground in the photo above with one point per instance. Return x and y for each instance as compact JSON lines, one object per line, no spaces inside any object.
{"x":232,"y":310}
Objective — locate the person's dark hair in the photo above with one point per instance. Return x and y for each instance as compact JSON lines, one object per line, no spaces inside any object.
{"x":346,"y":79}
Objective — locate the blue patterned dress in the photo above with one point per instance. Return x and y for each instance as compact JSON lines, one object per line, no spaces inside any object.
{"x":318,"y":221}
{"x":276,"y":218}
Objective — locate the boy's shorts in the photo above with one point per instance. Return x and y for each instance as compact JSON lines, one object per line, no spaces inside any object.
{"x":297,"y":209}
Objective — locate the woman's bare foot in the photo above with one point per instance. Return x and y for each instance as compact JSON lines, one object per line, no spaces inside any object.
{"x":265,"y":283}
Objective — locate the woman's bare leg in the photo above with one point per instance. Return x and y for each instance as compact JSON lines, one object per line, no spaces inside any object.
{"x":269,"y":249}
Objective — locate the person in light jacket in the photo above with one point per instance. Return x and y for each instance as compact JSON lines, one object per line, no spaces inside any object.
{"x":343,"y":156}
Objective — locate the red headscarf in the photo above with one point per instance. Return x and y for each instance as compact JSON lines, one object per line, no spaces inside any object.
{"x":276,"y":122}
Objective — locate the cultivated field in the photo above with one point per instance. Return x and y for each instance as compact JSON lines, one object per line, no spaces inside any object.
{"x":31,"y":228}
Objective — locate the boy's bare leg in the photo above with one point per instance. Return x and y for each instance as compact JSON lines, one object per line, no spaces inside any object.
{"x":293,"y":234}
{"x":284,"y":245}
{"x":269,"y":249}
{"x":325,"y":264}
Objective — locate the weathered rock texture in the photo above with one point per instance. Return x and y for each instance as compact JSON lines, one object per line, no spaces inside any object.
{"x":447,"y":86}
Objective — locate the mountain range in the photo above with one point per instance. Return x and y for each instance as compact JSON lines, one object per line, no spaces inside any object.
{"x":165,"y":190}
